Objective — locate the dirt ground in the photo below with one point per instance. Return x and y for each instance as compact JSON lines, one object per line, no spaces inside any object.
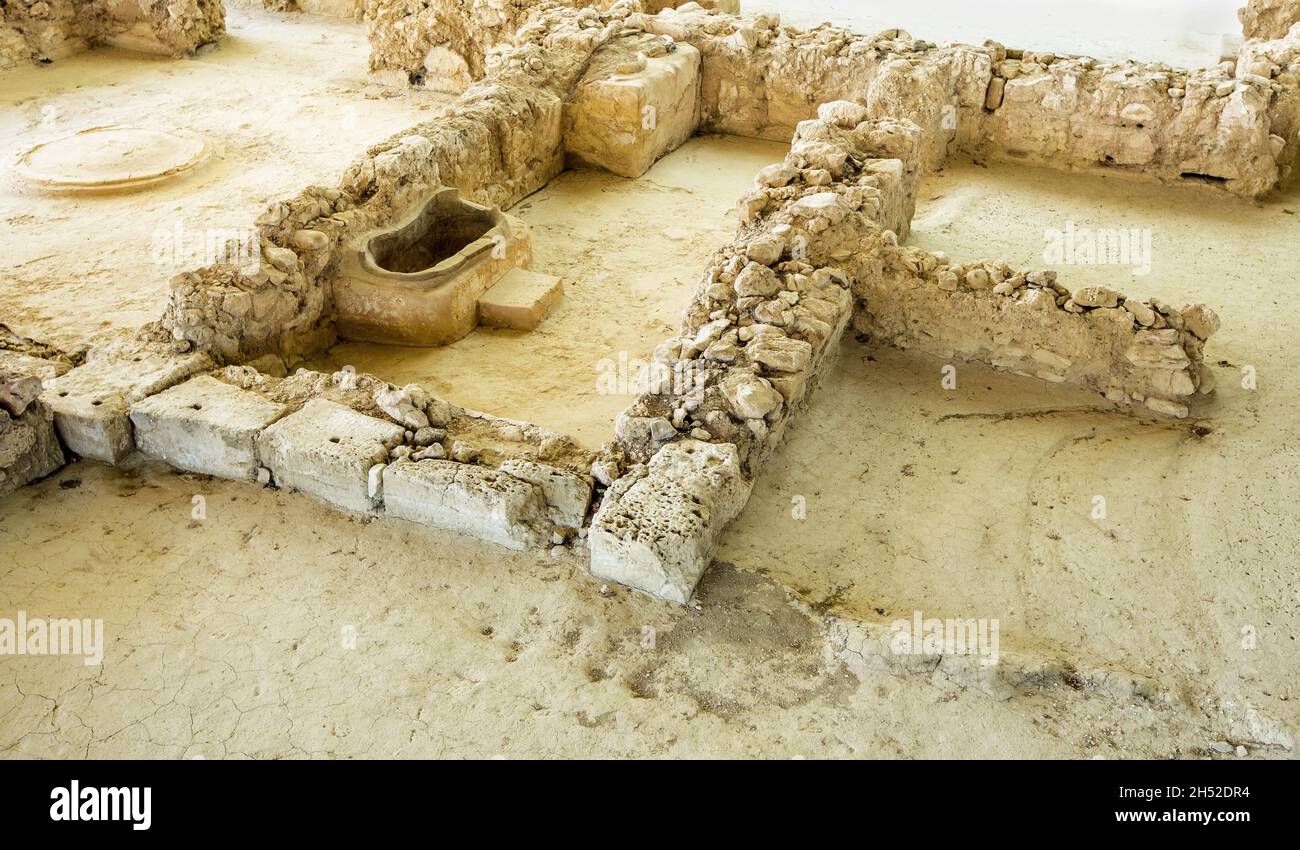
{"x":266,"y":625}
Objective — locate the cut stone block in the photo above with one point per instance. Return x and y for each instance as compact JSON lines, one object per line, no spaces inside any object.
{"x":92,"y":402}
{"x":520,"y":300}
{"x":473,"y":500}
{"x":624,"y":122}
{"x":659,"y":524}
{"x":567,"y":494}
{"x":327,"y":450}
{"x":205,"y":426}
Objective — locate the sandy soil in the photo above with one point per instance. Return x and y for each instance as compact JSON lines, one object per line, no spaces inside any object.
{"x":229,"y":638}
{"x":630,"y":253}
{"x":283,"y":101}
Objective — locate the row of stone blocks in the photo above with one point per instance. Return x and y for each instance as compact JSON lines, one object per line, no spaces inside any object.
{"x":203,"y":425}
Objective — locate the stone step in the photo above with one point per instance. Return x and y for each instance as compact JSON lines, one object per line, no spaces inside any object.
{"x":520,"y":301}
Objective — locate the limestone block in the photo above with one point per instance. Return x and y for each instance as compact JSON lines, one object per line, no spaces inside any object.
{"x":567,"y":494}
{"x":205,"y":426}
{"x":92,"y":402}
{"x":484,"y":503}
{"x":623,"y":122}
{"x":659,"y":524}
{"x":29,"y":448}
{"x":1268,"y":19}
{"x":520,"y":300}
{"x":327,"y":450}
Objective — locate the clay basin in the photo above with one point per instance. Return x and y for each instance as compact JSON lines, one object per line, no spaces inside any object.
{"x":418,"y":282}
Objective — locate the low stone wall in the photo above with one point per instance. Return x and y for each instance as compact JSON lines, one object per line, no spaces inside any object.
{"x":444,"y":44}
{"x":1146,"y":119}
{"x":1276,"y":63}
{"x":1267,"y":19}
{"x":42,"y":31}
{"x":760,"y":79}
{"x":1129,"y":350}
{"x":48,"y":30}
{"x":163,"y":27}
{"x":761,"y":330}
{"x":348,"y":439}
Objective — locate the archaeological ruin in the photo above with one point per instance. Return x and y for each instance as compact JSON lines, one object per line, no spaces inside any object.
{"x":333,"y":349}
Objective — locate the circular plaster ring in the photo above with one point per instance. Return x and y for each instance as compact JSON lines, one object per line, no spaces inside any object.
{"x":109,"y":159}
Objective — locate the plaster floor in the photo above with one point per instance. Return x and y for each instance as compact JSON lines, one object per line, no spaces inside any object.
{"x":283,"y":102}
{"x":630,"y":253}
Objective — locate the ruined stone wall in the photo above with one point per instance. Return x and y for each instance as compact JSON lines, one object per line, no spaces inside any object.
{"x":444,"y":44}
{"x":1148,"y":119}
{"x":1276,"y":64}
{"x":762,"y":328}
{"x":760,"y":79}
{"x":1268,"y":19}
{"x":48,"y":30}
{"x":42,"y":31}
{"x":164,"y":27}
{"x":1131,"y":351}
{"x":499,"y":142}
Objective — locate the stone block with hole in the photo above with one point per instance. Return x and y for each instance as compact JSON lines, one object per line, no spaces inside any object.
{"x":484,"y":503}
{"x":659,"y":524}
{"x":520,"y":300}
{"x":327,"y":450}
{"x":92,"y":402}
{"x":631,"y":109}
{"x":205,"y":426}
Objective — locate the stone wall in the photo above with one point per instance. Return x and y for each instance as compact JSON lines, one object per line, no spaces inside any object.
{"x":1268,"y":19}
{"x":42,"y":31}
{"x":444,"y":44}
{"x":1131,"y":351}
{"x":760,"y":79}
{"x":348,"y":439}
{"x":762,"y":328}
{"x":1276,"y":63}
{"x":48,"y":30}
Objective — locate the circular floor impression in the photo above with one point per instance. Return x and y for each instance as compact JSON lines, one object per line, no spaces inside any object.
{"x":109,"y":159}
